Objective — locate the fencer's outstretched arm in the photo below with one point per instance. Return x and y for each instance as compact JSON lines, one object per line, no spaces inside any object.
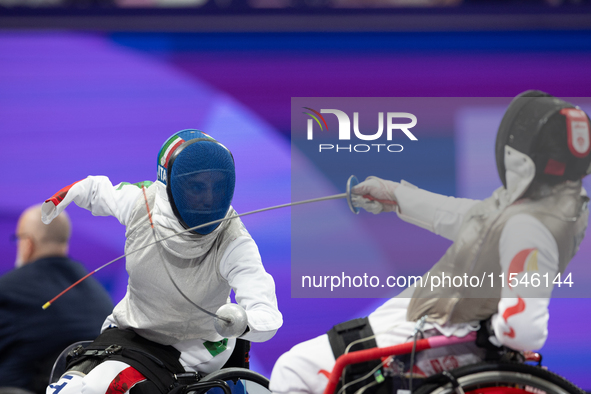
{"x":254,"y":288}
{"x":437,"y":213}
{"x":98,"y":195}
{"x":527,"y":248}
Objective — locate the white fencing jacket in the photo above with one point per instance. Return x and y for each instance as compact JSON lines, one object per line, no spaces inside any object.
{"x":205,"y":267}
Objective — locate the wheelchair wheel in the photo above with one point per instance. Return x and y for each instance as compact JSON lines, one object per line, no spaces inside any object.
{"x":500,"y":378}
{"x":240,"y":380}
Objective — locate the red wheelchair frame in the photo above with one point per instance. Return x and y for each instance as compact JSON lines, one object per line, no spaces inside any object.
{"x":481,"y":378}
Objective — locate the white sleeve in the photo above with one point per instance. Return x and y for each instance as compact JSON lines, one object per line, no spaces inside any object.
{"x":254,"y":288}
{"x":98,"y":195}
{"x":437,"y":213}
{"x":527,"y":251}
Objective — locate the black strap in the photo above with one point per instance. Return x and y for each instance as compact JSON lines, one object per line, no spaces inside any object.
{"x":158,"y":363}
{"x":341,"y":336}
{"x":454,"y":382}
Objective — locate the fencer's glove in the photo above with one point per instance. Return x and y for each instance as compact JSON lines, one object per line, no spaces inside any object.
{"x":235,"y":321}
{"x":378,"y":188}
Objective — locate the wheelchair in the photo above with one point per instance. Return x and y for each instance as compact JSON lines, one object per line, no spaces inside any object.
{"x":498,"y":378}
{"x":228,"y":380}
{"x":508,"y":375}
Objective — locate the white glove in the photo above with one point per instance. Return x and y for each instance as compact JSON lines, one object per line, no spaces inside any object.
{"x":378,"y":188}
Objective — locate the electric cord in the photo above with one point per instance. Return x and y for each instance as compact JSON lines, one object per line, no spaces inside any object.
{"x":363,"y":377}
{"x":362,"y":389}
{"x":418,"y":329}
{"x":348,"y":348}
{"x":168,"y":271}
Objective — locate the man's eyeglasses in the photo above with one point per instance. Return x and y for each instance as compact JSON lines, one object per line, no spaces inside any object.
{"x":15,"y":237}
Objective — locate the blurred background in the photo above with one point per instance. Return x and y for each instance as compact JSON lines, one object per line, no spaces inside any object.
{"x":94,"y":87}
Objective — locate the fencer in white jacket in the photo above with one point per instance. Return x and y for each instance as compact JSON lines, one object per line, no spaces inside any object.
{"x":204,"y":266}
{"x":532,"y":225}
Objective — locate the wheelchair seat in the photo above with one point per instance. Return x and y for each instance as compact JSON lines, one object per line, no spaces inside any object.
{"x":230,"y":379}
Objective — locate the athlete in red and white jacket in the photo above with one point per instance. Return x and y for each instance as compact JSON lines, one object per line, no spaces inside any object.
{"x":532,"y":225}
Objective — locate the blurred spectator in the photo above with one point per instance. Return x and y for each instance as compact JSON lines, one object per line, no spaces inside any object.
{"x":31,"y":338}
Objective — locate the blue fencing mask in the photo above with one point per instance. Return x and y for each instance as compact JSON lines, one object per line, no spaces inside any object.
{"x":199,"y":175}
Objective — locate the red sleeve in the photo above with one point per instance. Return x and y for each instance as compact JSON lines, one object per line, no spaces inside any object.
{"x":60,"y":195}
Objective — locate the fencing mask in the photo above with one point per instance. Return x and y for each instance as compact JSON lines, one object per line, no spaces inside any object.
{"x":554,"y":134}
{"x":199,"y":176}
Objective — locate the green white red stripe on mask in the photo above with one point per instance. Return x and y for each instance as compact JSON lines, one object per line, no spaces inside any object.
{"x":167,"y":150}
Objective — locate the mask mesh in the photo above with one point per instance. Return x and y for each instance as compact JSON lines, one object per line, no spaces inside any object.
{"x":202,"y":180}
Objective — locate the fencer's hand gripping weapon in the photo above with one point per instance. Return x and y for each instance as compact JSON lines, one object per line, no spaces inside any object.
{"x":351,"y":182}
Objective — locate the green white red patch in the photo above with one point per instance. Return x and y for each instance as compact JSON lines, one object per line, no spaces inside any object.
{"x":167,"y":150}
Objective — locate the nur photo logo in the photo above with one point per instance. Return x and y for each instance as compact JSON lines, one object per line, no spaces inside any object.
{"x":394,"y":123}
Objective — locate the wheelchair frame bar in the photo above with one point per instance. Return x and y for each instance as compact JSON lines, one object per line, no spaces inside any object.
{"x":361,"y":356}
